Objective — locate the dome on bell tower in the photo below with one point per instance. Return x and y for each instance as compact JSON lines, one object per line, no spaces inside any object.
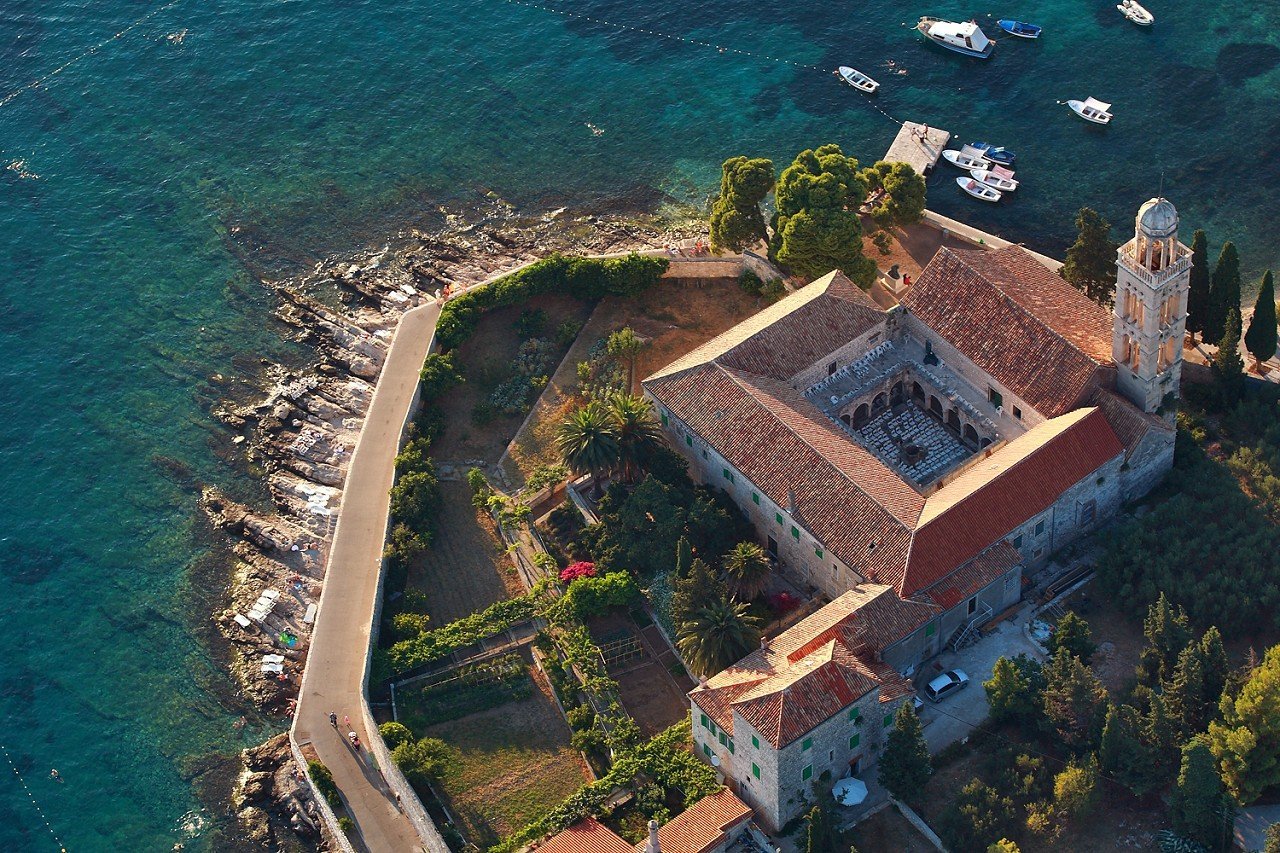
{"x":1157,"y":219}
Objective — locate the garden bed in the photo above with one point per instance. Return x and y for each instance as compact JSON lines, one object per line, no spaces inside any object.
{"x":887,"y":829}
{"x":651,"y":695}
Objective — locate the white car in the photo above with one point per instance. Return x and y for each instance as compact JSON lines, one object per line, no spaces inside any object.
{"x":946,"y":684}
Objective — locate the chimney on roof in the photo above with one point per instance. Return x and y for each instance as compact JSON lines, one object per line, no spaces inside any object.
{"x":791,"y":501}
{"x":764,"y":643}
{"x":702,"y":681}
{"x":652,"y":846}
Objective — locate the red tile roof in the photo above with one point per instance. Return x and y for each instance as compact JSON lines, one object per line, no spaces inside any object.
{"x":998,"y":308}
{"x":586,"y":836}
{"x":974,"y":575}
{"x":1130,"y":423}
{"x":702,"y":826}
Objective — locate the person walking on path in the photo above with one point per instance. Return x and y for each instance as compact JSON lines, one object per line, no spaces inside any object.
{"x":333,"y":719}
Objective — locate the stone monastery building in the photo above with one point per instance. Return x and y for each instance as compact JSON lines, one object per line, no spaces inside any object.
{"x":908,"y":463}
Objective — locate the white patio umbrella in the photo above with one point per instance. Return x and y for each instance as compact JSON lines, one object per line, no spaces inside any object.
{"x":849,"y":791}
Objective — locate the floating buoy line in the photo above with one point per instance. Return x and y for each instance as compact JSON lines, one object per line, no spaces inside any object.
{"x":23,"y":782}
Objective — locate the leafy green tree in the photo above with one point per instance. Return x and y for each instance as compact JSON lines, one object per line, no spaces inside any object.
{"x":700,"y":585}
{"x":1224,"y":293}
{"x":637,"y":432}
{"x":1091,"y":261}
{"x":1198,"y":295}
{"x":905,"y":766}
{"x":1168,"y":631}
{"x":1004,"y":845}
{"x":588,"y":441}
{"x":978,"y":816}
{"x":1014,"y":690}
{"x":1199,"y":806}
{"x":424,"y":761}
{"x":903,"y":201}
{"x":439,"y":373}
{"x":714,"y":524}
{"x":1261,"y":337}
{"x":625,"y":345}
{"x":820,"y":834}
{"x":1075,"y":790}
{"x":1124,"y":755}
{"x":747,"y":568}
{"x":1074,"y":701}
{"x":1247,"y":740}
{"x":736,"y":220}
{"x":816,"y":227}
{"x":1271,"y":842}
{"x":637,"y":531}
{"x":395,"y":734}
{"x":1073,"y":636}
{"x":718,"y":634}
{"x":415,"y":497}
{"x":1228,"y":366}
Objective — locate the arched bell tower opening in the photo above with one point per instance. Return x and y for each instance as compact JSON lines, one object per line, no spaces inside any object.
{"x":1153,"y":275}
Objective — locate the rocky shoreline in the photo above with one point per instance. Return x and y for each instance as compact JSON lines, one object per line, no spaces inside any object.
{"x":301,"y":434}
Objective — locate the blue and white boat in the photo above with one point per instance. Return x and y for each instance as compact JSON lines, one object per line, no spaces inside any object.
{"x":1020,"y":29}
{"x":997,"y":154}
{"x":967,"y":39}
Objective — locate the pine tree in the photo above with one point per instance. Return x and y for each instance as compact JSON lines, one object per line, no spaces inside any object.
{"x":1161,"y":736}
{"x":1199,"y":806}
{"x":1224,"y":292}
{"x":1074,"y":701}
{"x":1184,"y":693}
{"x":697,"y":588}
{"x":820,"y":836}
{"x":1072,"y":634}
{"x":905,"y":766}
{"x":1123,"y":755}
{"x":1216,"y":667}
{"x":816,"y":226}
{"x":1261,"y":337}
{"x":1168,"y":630}
{"x":1198,"y":295}
{"x":1228,"y":366}
{"x":1247,"y":740}
{"x":1013,"y":691}
{"x":684,"y":557}
{"x":736,"y":220}
{"x":1091,"y":261}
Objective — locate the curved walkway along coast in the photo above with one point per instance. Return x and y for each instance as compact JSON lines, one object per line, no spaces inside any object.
{"x":337,"y":663}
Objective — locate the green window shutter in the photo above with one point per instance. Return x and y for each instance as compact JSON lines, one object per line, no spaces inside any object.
{"x":795,"y":533}
{"x":723,"y":739}
{"x":706,"y":750}
{"x":755,"y":741}
{"x":888,"y":720}
{"x":688,"y":439}
{"x":755,"y":770}
{"x":855,"y":715}
{"x":777,"y":516}
{"x":728,"y":475}
{"x":712,"y":727}
{"x":818,"y":552}
{"x":807,"y":773}
{"x":930,"y":629}
{"x":854,"y":740}
{"x":705,"y":722}
{"x":806,"y":744}
{"x":755,"y":498}
{"x":1017,"y":541}
{"x":731,"y":749}
{"x":665,"y":420}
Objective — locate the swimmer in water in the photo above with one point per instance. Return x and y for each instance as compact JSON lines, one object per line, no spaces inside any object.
{"x":55,"y":775}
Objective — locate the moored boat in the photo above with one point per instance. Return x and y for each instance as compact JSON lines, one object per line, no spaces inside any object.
{"x":1092,"y":110}
{"x":1136,"y":12}
{"x":995,"y":153}
{"x":857,"y":79}
{"x":1020,"y":29}
{"x":978,"y":190}
{"x":997,"y":177}
{"x":966,"y":158}
{"x":967,"y":39}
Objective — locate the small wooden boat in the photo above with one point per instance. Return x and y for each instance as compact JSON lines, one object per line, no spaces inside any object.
{"x":966,"y":39}
{"x":995,"y":153}
{"x":1091,"y":110}
{"x":857,"y":79}
{"x":978,"y":190}
{"x":997,"y":177}
{"x":1135,"y":12}
{"x":966,"y":158}
{"x":1020,"y":29}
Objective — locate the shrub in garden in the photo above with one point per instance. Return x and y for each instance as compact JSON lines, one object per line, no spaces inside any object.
{"x":395,"y":734}
{"x":324,"y":783}
{"x":439,"y":374}
{"x":581,"y":569}
{"x":424,"y":761}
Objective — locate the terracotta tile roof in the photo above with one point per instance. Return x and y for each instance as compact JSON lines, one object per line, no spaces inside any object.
{"x":586,"y":836}
{"x":1130,"y":423}
{"x":1000,"y":307}
{"x":846,"y":497}
{"x":820,"y":665}
{"x":995,"y":495}
{"x":791,"y":334}
{"x":702,"y":826}
{"x":973,"y":576}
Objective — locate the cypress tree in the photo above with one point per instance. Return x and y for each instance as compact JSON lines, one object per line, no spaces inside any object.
{"x":1198,"y":295}
{"x":1074,"y":701}
{"x":702,"y":585}
{"x":1161,"y":737}
{"x":1073,"y":636}
{"x":1091,"y":261}
{"x":1213,"y":657}
{"x":820,"y":835}
{"x":1124,"y":755}
{"x":1199,"y":807}
{"x":1168,"y":631}
{"x":684,"y":557}
{"x":905,"y":766}
{"x":1227,"y":363}
{"x":1224,"y":292}
{"x":1184,"y":694}
{"x":1261,"y":337}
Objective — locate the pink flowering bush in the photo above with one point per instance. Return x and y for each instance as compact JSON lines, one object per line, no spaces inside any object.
{"x":577,"y":570}
{"x":783,"y":602}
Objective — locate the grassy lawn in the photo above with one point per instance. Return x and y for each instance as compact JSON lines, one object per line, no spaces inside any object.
{"x":514,"y":764}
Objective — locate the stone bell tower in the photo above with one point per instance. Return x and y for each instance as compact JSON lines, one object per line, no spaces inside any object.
{"x":1153,"y":275}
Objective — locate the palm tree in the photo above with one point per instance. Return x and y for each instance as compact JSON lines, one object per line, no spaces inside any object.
{"x":748,"y":570}
{"x":718,"y":634}
{"x":625,"y":345}
{"x":637,"y":431}
{"x":588,"y":441}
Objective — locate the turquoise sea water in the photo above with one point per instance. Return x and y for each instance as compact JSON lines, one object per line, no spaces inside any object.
{"x":147,"y":173}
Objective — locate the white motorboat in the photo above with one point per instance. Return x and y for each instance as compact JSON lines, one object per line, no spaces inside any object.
{"x":1092,"y":110}
{"x":966,"y":158}
{"x":978,"y":190}
{"x":997,"y":177}
{"x":857,"y":79}
{"x":1135,"y":12}
{"x":967,"y":39}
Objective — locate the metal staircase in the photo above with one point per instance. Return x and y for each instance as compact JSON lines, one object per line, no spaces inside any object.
{"x":967,"y":634}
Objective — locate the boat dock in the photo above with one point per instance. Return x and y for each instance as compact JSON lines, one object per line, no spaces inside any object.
{"x":918,"y":145}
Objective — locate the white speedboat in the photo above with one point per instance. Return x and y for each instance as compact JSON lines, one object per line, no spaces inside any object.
{"x":966,"y":158}
{"x":997,"y":177}
{"x":1135,"y":12}
{"x":967,"y":38}
{"x":1092,"y":110}
{"x":857,"y":79}
{"x":979,"y":190}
